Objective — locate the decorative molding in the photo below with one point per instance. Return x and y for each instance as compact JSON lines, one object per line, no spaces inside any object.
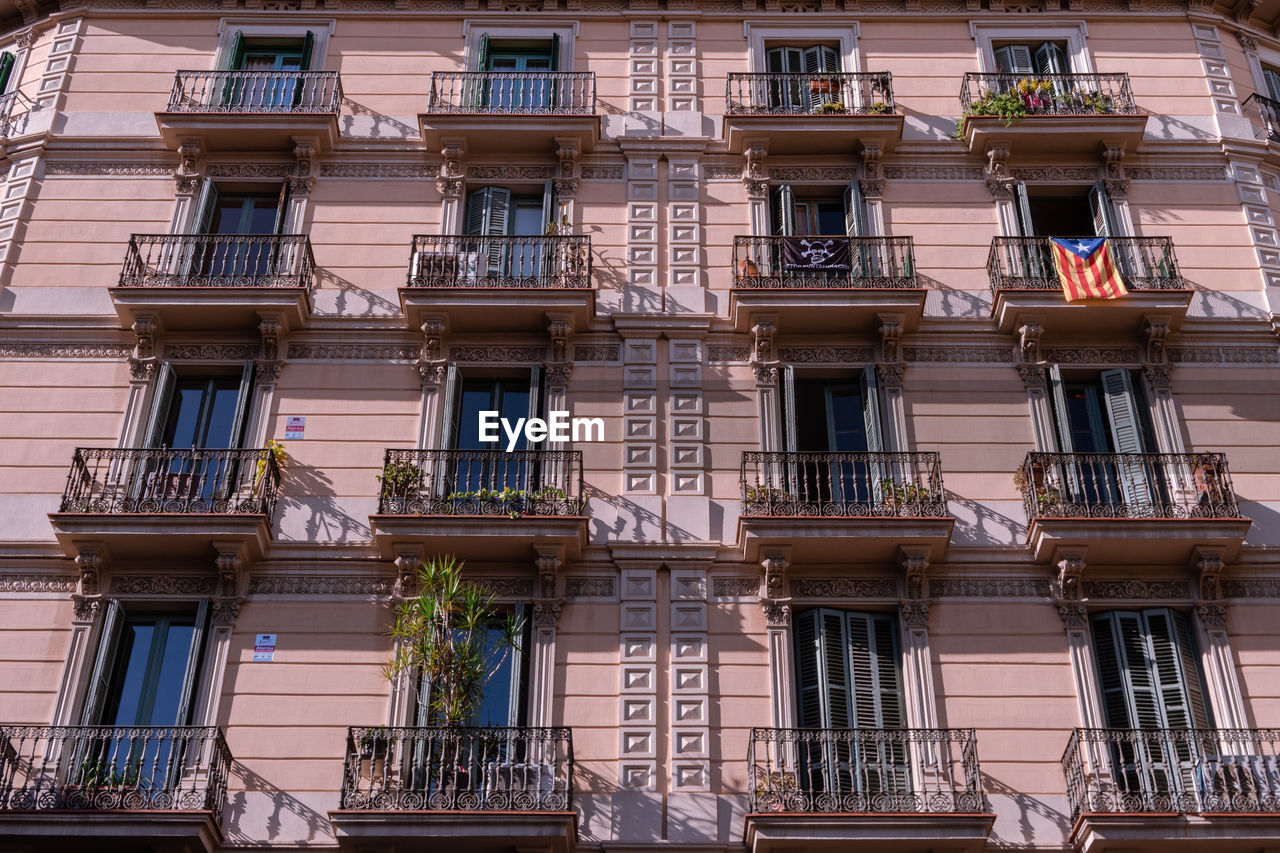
{"x":845,"y":587}
{"x":163,"y":585}
{"x":1093,"y":355}
{"x":728,"y":352}
{"x":1224,"y":355}
{"x":1251,"y":588}
{"x":725,"y":174}
{"x":933,"y":173}
{"x":603,"y":173}
{"x":510,"y":172}
{"x":1058,"y":174}
{"x":1136,"y":589}
{"x":735,"y":587}
{"x":597,"y":352}
{"x":318,"y":585}
{"x":506,"y":587}
{"x":111,"y":351}
{"x":777,"y":614}
{"x":378,"y":170}
{"x":589,"y":587}
{"x":995,"y":587}
{"x":249,"y":170}
{"x":371,"y":352}
{"x":210,"y":352}
{"x":841,"y":174}
{"x":38,"y":583}
{"x":1177,"y":173}
{"x":826,"y":355}
{"x":498,"y":352}
{"x":968,"y":355}
{"x":113,"y":170}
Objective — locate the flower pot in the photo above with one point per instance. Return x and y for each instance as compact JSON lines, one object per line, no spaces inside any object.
{"x":822,"y":87}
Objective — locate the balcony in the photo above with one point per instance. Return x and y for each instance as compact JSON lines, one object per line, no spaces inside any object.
{"x":1267,"y":112}
{"x":1025,"y":286}
{"x":1157,"y":790}
{"x":852,"y":280}
{"x":898,"y":790}
{"x":472,"y":789}
{"x":821,"y":504}
{"x":511,"y":112}
{"x":252,"y":110}
{"x":149,"y":503}
{"x":215,"y":281}
{"x":817,"y":113}
{"x":1050,"y":113}
{"x":112,"y":788}
{"x":485,"y":504}
{"x":1129,"y":508}
{"x":499,"y":284}
{"x":17,"y":118}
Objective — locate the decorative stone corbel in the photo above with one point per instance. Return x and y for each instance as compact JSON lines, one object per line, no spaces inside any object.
{"x":1248,"y":42}
{"x":432,"y":367}
{"x":89,"y":563}
{"x":777,"y":614}
{"x":999,"y":180}
{"x":914,"y":606}
{"x":754,"y":175}
{"x":452,"y":174}
{"x":1209,"y":565}
{"x":303,"y":179}
{"x":142,"y":364}
{"x":229,"y":564}
{"x":569,"y":173}
{"x":775,"y":573}
{"x":890,"y":336}
{"x":547,"y":613}
{"x":407,"y":563}
{"x":1157,"y":334}
{"x":189,"y":172}
{"x":271,"y":353}
{"x":1029,"y":341}
{"x":1068,"y":589}
{"x":548,"y":562}
{"x":872,"y":181}
{"x":24,"y":39}
{"x":1245,"y":10}
{"x":1113,"y":176}
{"x":762,"y":340}
{"x":560,"y":328}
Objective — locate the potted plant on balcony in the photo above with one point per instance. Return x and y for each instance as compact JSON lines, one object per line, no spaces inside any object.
{"x":829,"y":107}
{"x":445,"y":636}
{"x":905,"y":497}
{"x":1210,"y":494}
{"x":401,"y":483}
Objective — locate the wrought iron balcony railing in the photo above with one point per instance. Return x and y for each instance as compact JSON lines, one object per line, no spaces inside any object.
{"x":458,"y":769}
{"x":15,"y":109}
{"x":130,"y":768}
{"x":189,"y":482}
{"x":1048,"y":94}
{"x":1268,"y":112}
{"x":218,"y":260}
{"x":1184,"y":771}
{"x":855,"y":485}
{"x":1127,"y":485}
{"x":474,"y":261}
{"x":522,"y":483}
{"x":1026,"y":263}
{"x":565,"y":93}
{"x":865,"y":771}
{"x":814,"y":93}
{"x":823,"y":263}
{"x":256,"y":92}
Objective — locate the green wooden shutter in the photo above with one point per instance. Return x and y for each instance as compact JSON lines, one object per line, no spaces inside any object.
{"x":242,"y":404}
{"x":235,"y":56}
{"x":784,"y":213}
{"x":103,"y":663}
{"x":878,"y":471}
{"x":1061,"y":415}
{"x":833,"y":670}
{"x":6,"y":70}
{"x":854,"y":220}
{"x":555,"y":52}
{"x":308,"y":45}
{"x":482,"y":55}
{"x":1272,"y":80}
{"x":302,"y":85}
{"x":1014,"y":59}
{"x":1126,"y":437}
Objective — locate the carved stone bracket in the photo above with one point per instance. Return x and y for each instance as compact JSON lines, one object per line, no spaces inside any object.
{"x":762,"y":340}
{"x":271,"y":355}
{"x":568,"y":174}
{"x":548,"y":602}
{"x":775,"y":573}
{"x":407,"y":564}
{"x":872,"y":182}
{"x":1210,"y":607}
{"x":230,"y":566}
{"x":754,"y":175}
{"x":1113,"y":176}
{"x":1157,"y":336}
{"x":560,"y":328}
{"x":1248,"y":42}
{"x":999,"y":179}
{"x":777,"y":614}
{"x":914,"y":606}
{"x":142,"y":364}
{"x":452,"y":173}
{"x":189,"y":172}
{"x":1029,"y":341}
{"x":304,"y":176}
{"x":89,"y":564}
{"x":1068,"y":589}
{"x":890,"y":336}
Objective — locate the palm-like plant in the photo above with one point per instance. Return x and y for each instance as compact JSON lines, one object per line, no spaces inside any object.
{"x":443,"y":633}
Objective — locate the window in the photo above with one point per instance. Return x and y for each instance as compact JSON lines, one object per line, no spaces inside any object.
{"x":515,"y":84}
{"x":848,"y":676}
{"x":807,"y":92}
{"x":1269,"y":75}
{"x":799,"y":211}
{"x":1065,"y":211}
{"x":513,"y":396}
{"x":1046,"y":57}
{"x":262,"y":89}
{"x":1150,"y":680}
{"x":501,"y":212}
{"x":255,"y":213}
{"x":504,"y":699}
{"x":200,"y":411}
{"x":7,"y":60}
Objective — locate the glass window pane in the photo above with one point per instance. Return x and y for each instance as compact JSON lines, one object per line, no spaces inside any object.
{"x":130,"y":676}
{"x":171,"y":677}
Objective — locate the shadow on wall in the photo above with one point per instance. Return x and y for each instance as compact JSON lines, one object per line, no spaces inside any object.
{"x":979,"y":524}
{"x":1034,"y":815}
{"x":1207,"y":302}
{"x":374,"y":125}
{"x":945,"y":301}
{"x":641,"y":520}
{"x":353,"y":301}
{"x":298,"y":813}
{"x":326,"y":522}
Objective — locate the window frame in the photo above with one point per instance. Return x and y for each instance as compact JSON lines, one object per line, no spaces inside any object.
{"x":251,"y":29}
{"x":761,"y":35}
{"x":1074,"y":33}
{"x":503,"y":30}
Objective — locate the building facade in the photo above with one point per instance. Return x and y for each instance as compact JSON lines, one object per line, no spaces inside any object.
{"x":884,"y":545}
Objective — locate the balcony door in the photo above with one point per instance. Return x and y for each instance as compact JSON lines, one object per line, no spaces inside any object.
{"x":1064,"y":211}
{"x":224,"y":214}
{"x":520,"y":74}
{"x":504,"y":697}
{"x":848,"y":675}
{"x":806,"y":90}
{"x":804,"y":214}
{"x":520,"y":221}
{"x":487,"y":469}
{"x":1150,"y":679}
{"x":145,"y":674}
{"x":271,"y":89}
{"x":835,"y":425}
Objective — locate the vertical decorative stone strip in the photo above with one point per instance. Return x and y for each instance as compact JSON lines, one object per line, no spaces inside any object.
{"x":764,"y":362}
{"x":142,"y":369}
{"x":643,"y":289}
{"x":546,"y":616}
{"x":1262,"y":224}
{"x":1216,"y":70}
{"x":451,"y":183}
{"x":690,"y":696}
{"x":682,"y":67}
{"x":1215,"y":652}
{"x":889,"y":372}
{"x":776,"y":602}
{"x":640,"y":416}
{"x":86,"y":619}
{"x":755,"y":179}
{"x":638,"y":690}
{"x":644,"y":72}
{"x":1068,"y":590}
{"x":57,"y":67}
{"x":433,"y":373}
{"x":13,"y":209}
{"x":1155,"y":370}
{"x":684,"y":216}
{"x":922,"y":711}
{"x":685,"y":455}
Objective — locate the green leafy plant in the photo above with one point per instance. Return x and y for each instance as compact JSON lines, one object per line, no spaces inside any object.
{"x":442,"y":636}
{"x":1009,"y":106}
{"x":762,"y":494}
{"x":276,"y":451}
{"x":880,"y":107}
{"x":516,"y":500}
{"x":905,"y":493}
{"x":101,"y":773}
{"x":400,"y":479}
{"x":831,"y":107}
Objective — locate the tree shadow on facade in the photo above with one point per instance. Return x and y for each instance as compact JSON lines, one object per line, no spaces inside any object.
{"x":326,"y":522}
{"x":384,"y":126}
{"x":1029,"y":808}
{"x":317,"y":824}
{"x":350,"y":295}
{"x":951,"y":302}
{"x":980,"y":525}
{"x":630,"y":510}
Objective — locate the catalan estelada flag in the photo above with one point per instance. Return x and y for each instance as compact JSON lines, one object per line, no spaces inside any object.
{"x":1086,"y":269}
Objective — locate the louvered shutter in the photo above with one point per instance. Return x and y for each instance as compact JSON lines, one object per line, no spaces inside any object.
{"x":1026,"y":226}
{"x":235,"y":56}
{"x":161,"y":400}
{"x":191,"y":677}
{"x":477,"y":211}
{"x":1190,"y":664}
{"x":877,"y":470}
{"x":874,"y":674}
{"x":488,"y":214}
{"x":1050,"y":58}
{"x":6,"y":70}
{"x":784,"y":213}
{"x":854,"y":221}
{"x":1068,"y":474}
{"x":482,"y":55}
{"x":1272,"y":80}
{"x":807,"y":656}
{"x":242,"y":404}
{"x":1126,"y":437}
{"x":813,"y":63}
{"x":516,"y":694}
{"x":1111,"y":674}
{"x":833,"y":670}
{"x":1100,"y":206}
{"x":103,"y":663}
{"x":300,"y":83}
{"x":308,"y":46}
{"x":1014,"y":59}
{"x":789,"y":439}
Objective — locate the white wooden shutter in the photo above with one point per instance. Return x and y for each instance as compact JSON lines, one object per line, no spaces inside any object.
{"x":1050,"y":58}
{"x":161,"y":400}
{"x":517,"y":653}
{"x":1126,"y":437}
{"x":1100,"y":206}
{"x":784,"y":212}
{"x":854,"y":215}
{"x":1014,"y":59}
{"x":878,"y":471}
